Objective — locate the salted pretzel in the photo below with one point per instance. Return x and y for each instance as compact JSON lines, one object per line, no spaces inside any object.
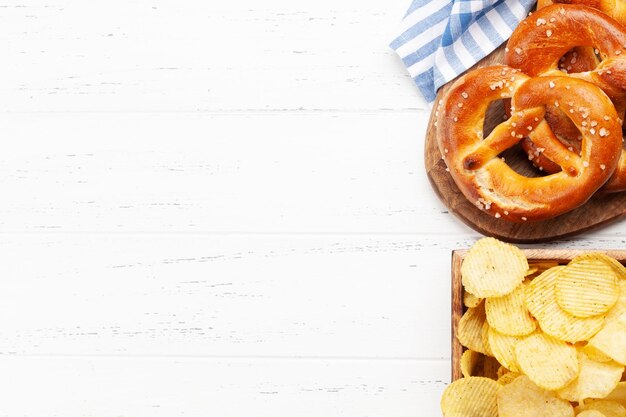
{"x":614,"y":8}
{"x":486,"y":180}
{"x":582,"y":59}
{"x":536,"y":46}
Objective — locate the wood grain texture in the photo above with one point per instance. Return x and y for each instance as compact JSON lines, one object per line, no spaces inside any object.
{"x":67,"y":55}
{"x":601,"y":210}
{"x":562,"y":256}
{"x":250,"y":172}
{"x":177,"y":386}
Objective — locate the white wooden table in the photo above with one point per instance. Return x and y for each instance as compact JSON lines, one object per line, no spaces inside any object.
{"x":219,"y":208}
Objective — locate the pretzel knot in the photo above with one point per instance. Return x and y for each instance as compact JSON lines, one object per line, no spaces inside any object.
{"x":540,"y":44}
{"x":614,"y":8}
{"x":486,"y":180}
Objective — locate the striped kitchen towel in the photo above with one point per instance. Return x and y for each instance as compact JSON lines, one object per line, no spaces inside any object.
{"x":440,"y":39}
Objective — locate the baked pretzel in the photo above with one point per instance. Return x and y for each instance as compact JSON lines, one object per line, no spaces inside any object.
{"x":614,"y":8}
{"x":582,"y":59}
{"x":536,"y":46}
{"x":486,"y":180}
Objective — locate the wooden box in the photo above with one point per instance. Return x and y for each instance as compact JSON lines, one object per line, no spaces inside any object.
{"x":562,"y":256}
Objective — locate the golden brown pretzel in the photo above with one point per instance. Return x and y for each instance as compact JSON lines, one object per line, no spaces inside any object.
{"x":614,"y":8}
{"x":541,"y":39}
{"x":582,"y":59}
{"x":578,"y":59}
{"x":536,"y":46}
{"x":488,"y":181}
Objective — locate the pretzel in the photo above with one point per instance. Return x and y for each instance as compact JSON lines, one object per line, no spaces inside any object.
{"x":536,"y":46}
{"x":582,"y":59}
{"x":614,"y":8}
{"x":486,"y":180}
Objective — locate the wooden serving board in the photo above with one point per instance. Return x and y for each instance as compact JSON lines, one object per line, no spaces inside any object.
{"x":601,"y":209}
{"x":562,"y":256}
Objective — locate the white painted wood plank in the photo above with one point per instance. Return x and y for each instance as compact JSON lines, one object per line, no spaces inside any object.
{"x":260,"y":172}
{"x":205,"y":295}
{"x":202,"y":55}
{"x":136,"y":387}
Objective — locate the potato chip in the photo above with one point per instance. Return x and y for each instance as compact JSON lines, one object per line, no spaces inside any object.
{"x":522,"y":398}
{"x":492,"y":268}
{"x":595,"y":380}
{"x":537,"y":267}
{"x":594,"y":354}
{"x":618,"y":394}
{"x":548,"y":362}
{"x":591,"y":413}
{"x":502,"y":370}
{"x":485,"y":335}
{"x":470,"y":397}
{"x":611,"y":340}
{"x":507,"y":378}
{"x":608,"y":408}
{"x":470,"y":300}
{"x":619,"y":269}
{"x":620,"y":306}
{"x":532,"y":270}
{"x":508,"y":314}
{"x":587,"y":287}
{"x":469,"y":359}
{"x":470,"y":330}
{"x":542,"y":304}
{"x":503,"y":348}
{"x":490,"y":367}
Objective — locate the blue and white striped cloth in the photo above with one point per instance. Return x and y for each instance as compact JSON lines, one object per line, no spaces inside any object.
{"x":440,"y":39}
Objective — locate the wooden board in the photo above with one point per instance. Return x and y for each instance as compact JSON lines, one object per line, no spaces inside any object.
{"x":600,"y":210}
{"x":562,"y":256}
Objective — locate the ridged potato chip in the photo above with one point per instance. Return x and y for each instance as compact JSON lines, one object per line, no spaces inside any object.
{"x":490,"y":367}
{"x":509,"y":315}
{"x":611,"y":340}
{"x":522,"y":398}
{"x":503,"y":348}
{"x":591,"y":413}
{"x":618,"y":394}
{"x":607,"y":408}
{"x":470,"y":330}
{"x":492,"y":268}
{"x":485,"y":335}
{"x":507,"y":378}
{"x":619,"y":269}
{"x":532,"y":270}
{"x":620,"y":305}
{"x":470,"y":397}
{"x":537,"y":267}
{"x":595,"y":380}
{"x":594,"y":354}
{"x":548,"y":362}
{"x":469,"y":360}
{"x":587,"y":287}
{"x":553,"y":320}
{"x":470,"y":300}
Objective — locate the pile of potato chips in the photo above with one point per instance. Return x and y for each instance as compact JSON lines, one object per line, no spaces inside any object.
{"x":542,"y":340}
